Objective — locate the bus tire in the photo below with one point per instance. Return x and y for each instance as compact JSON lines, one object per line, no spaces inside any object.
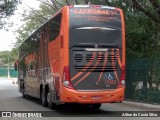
{"x":93,"y":106}
{"x":24,"y":92}
{"x":51,"y":105}
{"x":43,"y":98}
{"x":25,"y":95}
{"x":96,"y":106}
{"x":49,"y":102}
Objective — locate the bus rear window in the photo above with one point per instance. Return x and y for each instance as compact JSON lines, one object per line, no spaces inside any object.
{"x":95,"y":25}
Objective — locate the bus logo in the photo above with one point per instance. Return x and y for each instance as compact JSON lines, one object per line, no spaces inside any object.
{"x":110,"y":77}
{"x":110,"y":80}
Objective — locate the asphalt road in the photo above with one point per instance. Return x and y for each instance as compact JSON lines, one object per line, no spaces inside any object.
{"x":11,"y":100}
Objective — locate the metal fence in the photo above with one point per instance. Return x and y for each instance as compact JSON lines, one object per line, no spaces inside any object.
{"x":143,"y":80}
{"x":6,"y":71}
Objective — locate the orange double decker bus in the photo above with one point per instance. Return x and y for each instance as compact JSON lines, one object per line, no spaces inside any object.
{"x":77,"y":56}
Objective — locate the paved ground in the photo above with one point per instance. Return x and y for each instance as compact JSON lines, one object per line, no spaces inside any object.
{"x":11,"y":100}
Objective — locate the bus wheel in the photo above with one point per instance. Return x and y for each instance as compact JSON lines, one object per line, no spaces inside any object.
{"x":24,"y":94}
{"x":94,"y":106}
{"x":43,"y":98}
{"x":50,"y":104}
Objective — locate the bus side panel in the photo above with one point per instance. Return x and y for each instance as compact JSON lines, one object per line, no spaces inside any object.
{"x":64,"y":45}
{"x":54,"y":61}
{"x":58,"y":57}
{"x":123,"y":38}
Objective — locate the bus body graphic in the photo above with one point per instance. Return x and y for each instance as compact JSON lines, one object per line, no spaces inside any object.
{"x":77,"y":56}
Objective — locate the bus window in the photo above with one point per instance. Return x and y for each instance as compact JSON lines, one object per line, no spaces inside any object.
{"x":55,"y":27}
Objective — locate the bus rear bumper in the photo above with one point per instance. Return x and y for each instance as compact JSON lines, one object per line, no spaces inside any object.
{"x":109,"y":96}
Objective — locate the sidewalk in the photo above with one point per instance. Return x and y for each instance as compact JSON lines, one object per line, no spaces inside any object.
{"x":14,"y":80}
{"x":140,"y":104}
{"x":6,"y":78}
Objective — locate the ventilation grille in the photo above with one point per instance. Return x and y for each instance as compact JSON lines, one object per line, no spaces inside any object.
{"x":96,"y":68}
{"x":78,"y":58}
{"x":111,"y":62}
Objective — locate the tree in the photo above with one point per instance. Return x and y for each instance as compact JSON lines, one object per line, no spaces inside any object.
{"x":9,"y":56}
{"x":7,"y":7}
{"x":33,"y":20}
{"x":138,"y":40}
{"x":151,"y":8}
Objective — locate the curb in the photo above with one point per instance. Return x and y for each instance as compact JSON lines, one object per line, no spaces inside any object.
{"x":142,"y":104}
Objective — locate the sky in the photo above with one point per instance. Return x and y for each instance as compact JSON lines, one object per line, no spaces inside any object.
{"x":8,"y":38}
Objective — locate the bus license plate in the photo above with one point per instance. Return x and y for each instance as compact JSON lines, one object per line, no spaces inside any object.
{"x":96,"y":98}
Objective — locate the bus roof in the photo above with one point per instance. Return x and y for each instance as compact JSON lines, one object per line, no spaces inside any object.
{"x":38,"y":29}
{"x":98,"y":6}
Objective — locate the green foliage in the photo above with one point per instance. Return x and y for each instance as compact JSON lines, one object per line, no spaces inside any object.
{"x":9,"y":56}
{"x":142,"y":33}
{"x":146,"y":95}
{"x":143,"y":79}
{"x":7,"y":7}
{"x":35,"y":18}
{"x":97,"y":2}
{"x":153,"y":96}
{"x":33,"y":21}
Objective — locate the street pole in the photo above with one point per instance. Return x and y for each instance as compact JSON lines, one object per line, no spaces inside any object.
{"x":8,"y":66}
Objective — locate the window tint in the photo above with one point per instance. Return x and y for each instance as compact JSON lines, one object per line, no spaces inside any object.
{"x":28,"y":46}
{"x":55,"y":24}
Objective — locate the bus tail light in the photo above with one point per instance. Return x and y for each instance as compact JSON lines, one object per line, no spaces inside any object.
{"x":66,"y":78}
{"x":122,"y":79}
